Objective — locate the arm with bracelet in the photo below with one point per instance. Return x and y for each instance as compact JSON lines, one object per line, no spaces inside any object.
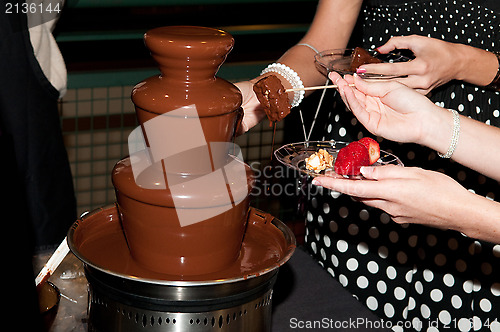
{"x":395,"y":112}
{"x":331,"y":28}
{"x":415,"y":195}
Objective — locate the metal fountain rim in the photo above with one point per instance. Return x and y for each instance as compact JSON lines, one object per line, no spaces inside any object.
{"x":287,"y":233}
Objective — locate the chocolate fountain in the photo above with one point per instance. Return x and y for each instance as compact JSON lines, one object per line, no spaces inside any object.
{"x":181,"y":250}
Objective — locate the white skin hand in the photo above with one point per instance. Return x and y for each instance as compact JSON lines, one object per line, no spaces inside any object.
{"x":436,"y":63}
{"x":408,"y":195}
{"x":414,"y":195}
{"x":253,"y":111}
{"x":387,"y":109}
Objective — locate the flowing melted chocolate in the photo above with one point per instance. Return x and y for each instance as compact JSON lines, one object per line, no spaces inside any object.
{"x":361,"y":57}
{"x":273,"y":98}
{"x":162,"y":247}
{"x":200,"y":110}
{"x":100,"y":239}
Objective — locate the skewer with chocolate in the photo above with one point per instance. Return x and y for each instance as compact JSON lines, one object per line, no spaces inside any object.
{"x":273,"y":98}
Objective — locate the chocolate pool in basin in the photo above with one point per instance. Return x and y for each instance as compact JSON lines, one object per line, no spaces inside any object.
{"x":181,"y":250}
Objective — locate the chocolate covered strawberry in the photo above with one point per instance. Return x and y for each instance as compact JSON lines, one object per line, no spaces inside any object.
{"x":351,"y":158}
{"x":373,"y":148}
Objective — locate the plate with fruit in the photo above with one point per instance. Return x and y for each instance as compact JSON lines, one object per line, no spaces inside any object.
{"x":347,"y":61}
{"x":334,"y":158}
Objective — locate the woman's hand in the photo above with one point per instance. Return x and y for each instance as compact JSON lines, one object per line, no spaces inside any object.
{"x":253,"y":112}
{"x":408,"y":195}
{"x":390,"y":109}
{"x":436,"y":63}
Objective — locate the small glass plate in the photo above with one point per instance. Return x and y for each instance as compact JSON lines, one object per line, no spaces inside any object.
{"x":340,"y":61}
{"x":293,"y":155}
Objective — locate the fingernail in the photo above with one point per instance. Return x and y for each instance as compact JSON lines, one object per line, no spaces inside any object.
{"x":360,"y":70}
{"x":365,"y":171}
{"x":316,"y":182}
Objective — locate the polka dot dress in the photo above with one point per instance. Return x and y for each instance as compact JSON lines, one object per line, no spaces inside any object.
{"x":421,"y":278}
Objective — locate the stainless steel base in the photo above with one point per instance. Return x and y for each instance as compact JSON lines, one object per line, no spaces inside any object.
{"x":106,"y":315}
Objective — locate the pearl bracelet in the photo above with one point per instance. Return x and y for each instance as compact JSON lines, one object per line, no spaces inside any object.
{"x":454,"y":137}
{"x":291,"y":76}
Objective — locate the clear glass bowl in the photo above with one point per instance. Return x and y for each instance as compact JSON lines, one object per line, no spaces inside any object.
{"x":339,"y":60}
{"x":293,"y":155}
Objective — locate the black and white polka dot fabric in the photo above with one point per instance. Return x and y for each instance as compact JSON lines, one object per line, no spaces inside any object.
{"x":417,"y":277}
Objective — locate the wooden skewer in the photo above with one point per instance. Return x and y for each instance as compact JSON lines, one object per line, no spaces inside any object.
{"x":315,"y":88}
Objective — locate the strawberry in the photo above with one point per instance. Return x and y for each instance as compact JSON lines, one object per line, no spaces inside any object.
{"x":351,"y":158}
{"x":373,"y":148}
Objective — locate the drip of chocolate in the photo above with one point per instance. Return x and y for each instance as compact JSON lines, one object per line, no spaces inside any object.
{"x":273,"y":98}
{"x":361,"y":57}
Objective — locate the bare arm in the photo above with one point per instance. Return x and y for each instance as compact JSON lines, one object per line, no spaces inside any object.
{"x":478,"y":145}
{"x":414,"y":195}
{"x":331,"y":28}
{"x":418,"y":196}
{"x":398,"y":113}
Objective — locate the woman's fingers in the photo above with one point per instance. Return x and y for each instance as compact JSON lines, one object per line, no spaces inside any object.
{"x":334,"y":77}
{"x":375,"y":88}
{"x":387,"y":172}
{"x":398,"y":42}
{"x":374,"y":187}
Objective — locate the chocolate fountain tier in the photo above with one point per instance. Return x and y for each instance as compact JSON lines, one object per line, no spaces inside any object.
{"x":157,"y":186}
{"x":126,"y":296}
{"x":99,"y":241}
{"x":189,"y":58}
{"x":183,"y":224}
